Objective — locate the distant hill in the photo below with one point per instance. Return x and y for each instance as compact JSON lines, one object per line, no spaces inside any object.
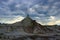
{"x":27,"y":25}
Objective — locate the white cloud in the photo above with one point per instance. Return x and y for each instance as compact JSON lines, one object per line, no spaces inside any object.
{"x":50,"y":0}
{"x":36,"y":6}
{"x":39,"y":7}
{"x":58,"y":22}
{"x":19,"y":18}
{"x":11,"y":20}
{"x":18,"y":5}
{"x":45,"y":7}
{"x":31,"y":10}
{"x":57,"y":3}
{"x":53,"y":11}
{"x":52,"y":20}
{"x":40,"y":22}
{"x":42,"y":15}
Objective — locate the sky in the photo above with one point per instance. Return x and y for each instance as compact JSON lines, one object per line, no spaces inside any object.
{"x":45,"y":12}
